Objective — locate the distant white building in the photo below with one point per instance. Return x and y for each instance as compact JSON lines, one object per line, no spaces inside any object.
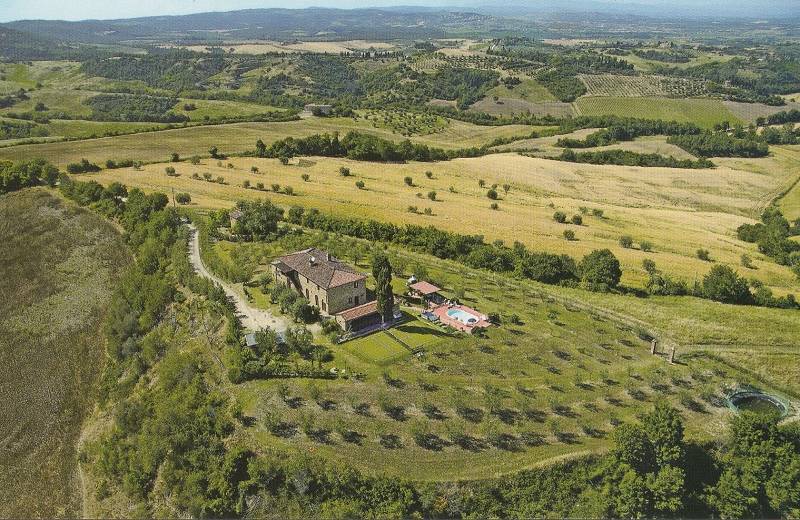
{"x":319,"y":110}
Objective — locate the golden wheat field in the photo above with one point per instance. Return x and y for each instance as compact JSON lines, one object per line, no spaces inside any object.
{"x":677,"y":211}
{"x":241,"y":137}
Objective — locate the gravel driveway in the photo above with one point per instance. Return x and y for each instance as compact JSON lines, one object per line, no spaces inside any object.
{"x":252,"y":318}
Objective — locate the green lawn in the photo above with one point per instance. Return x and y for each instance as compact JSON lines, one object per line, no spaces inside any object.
{"x":528,"y":90}
{"x":215,"y":109}
{"x":418,"y":334}
{"x":378,"y":348}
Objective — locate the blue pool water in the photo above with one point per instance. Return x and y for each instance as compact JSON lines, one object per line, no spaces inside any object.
{"x":463,"y":316}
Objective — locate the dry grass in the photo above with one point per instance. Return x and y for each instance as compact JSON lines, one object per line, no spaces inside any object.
{"x":240,"y":137}
{"x":749,"y":112}
{"x":263,"y":47}
{"x":57,"y":266}
{"x":678,"y":211}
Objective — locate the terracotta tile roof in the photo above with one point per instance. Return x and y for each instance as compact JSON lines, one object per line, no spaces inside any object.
{"x":360,"y":311}
{"x":425,"y":288}
{"x":325,"y":271}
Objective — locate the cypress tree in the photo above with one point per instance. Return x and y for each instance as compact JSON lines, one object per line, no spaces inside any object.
{"x":382,"y":272}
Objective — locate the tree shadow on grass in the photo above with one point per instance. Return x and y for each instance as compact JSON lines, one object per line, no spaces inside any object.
{"x":295,"y":402}
{"x":391,"y":441}
{"x":284,"y":430}
{"x":321,"y":435}
{"x":432,"y":442}
{"x":469,"y":443}
{"x":398,"y":413}
{"x":567,"y":438}
{"x":327,"y":405}
{"x":507,"y":415}
{"x":353,"y":437}
{"x":474,"y":415}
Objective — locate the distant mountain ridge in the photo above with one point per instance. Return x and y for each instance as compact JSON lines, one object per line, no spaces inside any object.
{"x":273,"y":24}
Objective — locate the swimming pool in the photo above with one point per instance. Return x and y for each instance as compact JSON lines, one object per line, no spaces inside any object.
{"x":463,"y":316}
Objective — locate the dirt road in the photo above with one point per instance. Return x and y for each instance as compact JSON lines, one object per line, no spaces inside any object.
{"x":252,"y":318}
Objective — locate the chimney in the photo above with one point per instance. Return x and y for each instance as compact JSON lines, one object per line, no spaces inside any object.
{"x":327,"y":256}
{"x":312,"y":261}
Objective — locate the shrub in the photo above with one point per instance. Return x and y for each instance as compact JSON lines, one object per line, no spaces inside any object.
{"x":288,"y":190}
{"x":305,"y":177}
{"x":481,"y":183}
{"x":600,"y":270}
{"x":577,"y":220}
{"x":722,"y":284}
{"x":703,"y":255}
{"x":195,"y":159}
{"x":596,"y":212}
{"x":569,"y":234}
{"x":175,"y":157}
{"x":429,"y":174}
{"x":432,"y":195}
{"x":344,"y":172}
{"x":183,"y":198}
{"x":408,"y":181}
{"x":413,"y":209}
{"x":747,"y":261}
{"x":506,"y":188}
{"x":626,"y":241}
{"x":495,"y":206}
{"x":560,"y":217}
{"x":492,"y":194}
{"x":171,"y":171}
{"x":84,"y":166}
{"x":645,"y":246}
{"x":276,"y":188}
{"x":360,"y":185}
{"x":428,"y":211}
{"x":246,"y":184}
{"x":254,"y":169}
{"x":283,"y":160}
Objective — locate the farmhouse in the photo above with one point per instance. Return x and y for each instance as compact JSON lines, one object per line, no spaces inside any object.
{"x":331,"y":285}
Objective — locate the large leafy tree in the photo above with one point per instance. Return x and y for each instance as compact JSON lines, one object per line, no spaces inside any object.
{"x":600,"y":270}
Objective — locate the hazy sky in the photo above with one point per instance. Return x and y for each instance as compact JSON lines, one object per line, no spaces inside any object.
{"x":107,"y":9}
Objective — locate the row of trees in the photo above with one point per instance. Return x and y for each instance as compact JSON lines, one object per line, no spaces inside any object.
{"x":10,"y":129}
{"x":627,"y":129}
{"x":629,"y":158}
{"x":599,"y":270}
{"x":15,"y":176}
{"x":360,"y":147}
{"x":720,"y":145}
